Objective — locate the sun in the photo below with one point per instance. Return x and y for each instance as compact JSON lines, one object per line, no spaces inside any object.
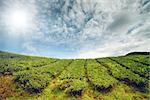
{"x":18,"y":20}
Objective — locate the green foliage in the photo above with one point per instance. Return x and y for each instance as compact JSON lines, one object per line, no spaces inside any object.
{"x":73,"y":79}
{"x":36,"y":79}
{"x":124,"y":74}
{"x":19,"y":63}
{"x":134,"y":66}
{"x":73,"y":87}
{"x":98,"y":75}
{"x":33,"y":81}
{"x":74,"y":70}
{"x":141,"y":58}
{"x":77,"y":77}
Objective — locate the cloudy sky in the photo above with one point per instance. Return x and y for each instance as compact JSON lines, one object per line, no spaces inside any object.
{"x":74,"y":28}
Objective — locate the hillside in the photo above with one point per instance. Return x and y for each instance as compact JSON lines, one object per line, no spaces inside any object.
{"x":27,"y":77}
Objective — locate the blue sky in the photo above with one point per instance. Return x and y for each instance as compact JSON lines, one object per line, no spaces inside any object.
{"x":74,"y":28}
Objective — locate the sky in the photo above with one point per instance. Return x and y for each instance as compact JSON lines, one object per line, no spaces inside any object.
{"x":74,"y":28}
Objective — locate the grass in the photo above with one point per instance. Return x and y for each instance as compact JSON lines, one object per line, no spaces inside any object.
{"x":40,"y":78}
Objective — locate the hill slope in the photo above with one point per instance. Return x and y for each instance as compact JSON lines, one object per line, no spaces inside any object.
{"x":124,"y":77}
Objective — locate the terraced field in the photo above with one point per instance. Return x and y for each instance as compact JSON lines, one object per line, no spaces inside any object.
{"x":39,"y":78}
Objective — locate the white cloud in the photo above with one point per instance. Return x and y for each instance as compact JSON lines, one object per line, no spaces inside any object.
{"x":114,"y":49}
{"x":30,"y":49}
{"x":92,"y":28}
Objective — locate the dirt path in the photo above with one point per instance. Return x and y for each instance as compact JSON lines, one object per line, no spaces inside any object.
{"x":5,"y":86}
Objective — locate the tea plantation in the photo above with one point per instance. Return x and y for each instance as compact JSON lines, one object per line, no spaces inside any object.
{"x":39,"y":78}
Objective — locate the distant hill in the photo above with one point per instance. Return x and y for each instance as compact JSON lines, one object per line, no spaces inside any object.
{"x":138,"y":53}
